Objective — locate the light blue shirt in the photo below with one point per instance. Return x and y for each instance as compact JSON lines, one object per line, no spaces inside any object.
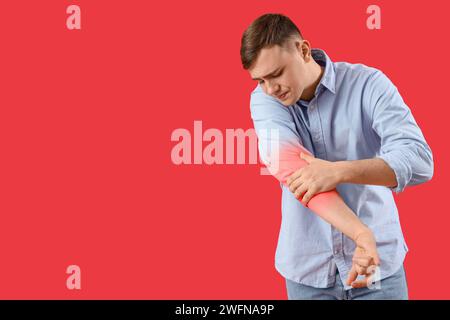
{"x":356,"y":113}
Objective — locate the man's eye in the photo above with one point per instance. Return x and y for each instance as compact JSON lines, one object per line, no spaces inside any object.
{"x":274,"y":76}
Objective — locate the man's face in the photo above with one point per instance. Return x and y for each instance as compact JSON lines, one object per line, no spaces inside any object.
{"x":290,"y":74}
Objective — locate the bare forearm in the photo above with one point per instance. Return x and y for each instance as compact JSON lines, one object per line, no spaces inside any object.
{"x":368,"y":171}
{"x":332,"y":208}
{"x":328,"y":205}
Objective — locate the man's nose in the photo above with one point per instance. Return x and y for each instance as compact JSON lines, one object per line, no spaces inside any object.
{"x":272,"y":89}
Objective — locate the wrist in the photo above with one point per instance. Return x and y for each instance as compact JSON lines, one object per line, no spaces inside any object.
{"x":360,"y":231}
{"x":343,"y":171}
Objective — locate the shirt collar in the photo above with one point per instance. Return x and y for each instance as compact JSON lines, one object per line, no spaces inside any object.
{"x":329,"y":76}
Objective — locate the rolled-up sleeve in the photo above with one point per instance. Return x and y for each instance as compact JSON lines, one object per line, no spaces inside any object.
{"x":403,"y":146}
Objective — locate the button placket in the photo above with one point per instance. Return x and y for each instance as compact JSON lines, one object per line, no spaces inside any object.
{"x":337,"y":243}
{"x":316,"y":130}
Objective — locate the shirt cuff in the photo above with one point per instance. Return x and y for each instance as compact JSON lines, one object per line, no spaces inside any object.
{"x":400,"y":168}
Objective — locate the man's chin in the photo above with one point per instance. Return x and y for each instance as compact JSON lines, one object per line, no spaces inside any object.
{"x":286,"y":102}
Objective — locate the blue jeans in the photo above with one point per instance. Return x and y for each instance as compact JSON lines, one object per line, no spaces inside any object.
{"x":392,"y":288}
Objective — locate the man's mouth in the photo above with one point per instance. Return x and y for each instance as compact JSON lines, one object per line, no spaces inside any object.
{"x":283,"y":96}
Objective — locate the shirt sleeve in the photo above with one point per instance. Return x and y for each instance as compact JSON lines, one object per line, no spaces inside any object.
{"x":403,"y":146}
{"x":279,"y":143}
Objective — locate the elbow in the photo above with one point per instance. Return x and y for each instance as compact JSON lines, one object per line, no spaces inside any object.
{"x":430,"y":172}
{"x":425,"y":175}
{"x":425,"y":171}
{"x":429,"y":166}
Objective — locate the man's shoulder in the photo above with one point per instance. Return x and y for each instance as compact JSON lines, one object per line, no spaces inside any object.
{"x":258,"y":95}
{"x":263,"y":105}
{"x":258,"y":90}
{"x":346,"y":70}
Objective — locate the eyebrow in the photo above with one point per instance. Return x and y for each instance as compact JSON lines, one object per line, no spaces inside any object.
{"x":267,"y":75}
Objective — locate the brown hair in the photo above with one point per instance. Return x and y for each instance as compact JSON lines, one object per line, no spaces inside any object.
{"x":266,"y":31}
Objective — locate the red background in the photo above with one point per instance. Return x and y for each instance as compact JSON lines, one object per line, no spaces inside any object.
{"x":86,"y":117}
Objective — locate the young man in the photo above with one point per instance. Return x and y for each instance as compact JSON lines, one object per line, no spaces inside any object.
{"x":366,"y":144}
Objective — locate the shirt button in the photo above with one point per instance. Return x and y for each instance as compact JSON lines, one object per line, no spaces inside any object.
{"x":336,"y":251}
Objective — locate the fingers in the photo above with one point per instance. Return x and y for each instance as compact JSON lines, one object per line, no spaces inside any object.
{"x":376,"y":258}
{"x":305,"y":159}
{"x":371,"y":270}
{"x":294,"y":177}
{"x":300,"y":191}
{"x":360,"y":283}
{"x":352,"y":275}
{"x":364,"y":264}
{"x":364,"y":261}
{"x":360,"y":270}
{"x":366,"y":254}
{"x":295,"y":184}
{"x":368,"y":279}
{"x":311,"y":192}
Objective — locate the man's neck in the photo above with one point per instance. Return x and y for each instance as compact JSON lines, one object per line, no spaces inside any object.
{"x":317,"y":73}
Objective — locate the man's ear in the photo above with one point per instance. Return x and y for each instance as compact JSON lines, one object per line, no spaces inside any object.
{"x":306,"y":50}
{"x":298,"y":46}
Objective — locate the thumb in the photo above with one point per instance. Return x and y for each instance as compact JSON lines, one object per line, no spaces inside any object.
{"x":373,"y":254}
{"x":376,"y":259}
{"x":306,"y":157}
